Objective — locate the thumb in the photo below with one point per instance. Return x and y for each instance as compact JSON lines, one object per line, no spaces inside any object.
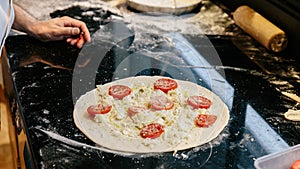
{"x":72,"y":31}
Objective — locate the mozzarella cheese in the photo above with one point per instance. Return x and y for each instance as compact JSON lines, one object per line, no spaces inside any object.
{"x":177,"y":122}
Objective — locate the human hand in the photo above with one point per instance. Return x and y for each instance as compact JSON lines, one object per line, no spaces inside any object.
{"x":74,"y":31}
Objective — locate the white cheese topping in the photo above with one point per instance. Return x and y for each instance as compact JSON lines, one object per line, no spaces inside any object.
{"x":177,"y":122}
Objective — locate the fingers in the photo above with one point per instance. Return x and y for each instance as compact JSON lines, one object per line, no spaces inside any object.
{"x":76,"y":41}
{"x":80,"y":42}
{"x":74,"y":23}
{"x":75,"y":31}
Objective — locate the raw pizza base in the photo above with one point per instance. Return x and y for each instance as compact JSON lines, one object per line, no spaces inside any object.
{"x":110,"y":139}
{"x":164,"y":6}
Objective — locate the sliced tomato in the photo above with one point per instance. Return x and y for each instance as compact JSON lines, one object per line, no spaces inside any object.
{"x":135,"y":110}
{"x":205,"y":120}
{"x":99,"y":109}
{"x":152,"y":130}
{"x":296,"y":164}
{"x":199,"y":102}
{"x":119,"y":91}
{"x":165,"y":84}
{"x":161,"y":102}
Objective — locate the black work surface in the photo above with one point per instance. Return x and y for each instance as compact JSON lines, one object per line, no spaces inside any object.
{"x":49,"y":77}
{"x":43,"y":76}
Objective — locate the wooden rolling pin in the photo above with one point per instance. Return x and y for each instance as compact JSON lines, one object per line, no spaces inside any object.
{"x":266,"y":33}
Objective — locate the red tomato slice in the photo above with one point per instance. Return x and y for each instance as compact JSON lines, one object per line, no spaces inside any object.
{"x":161,"y":102}
{"x":152,"y":130}
{"x":165,"y":84}
{"x":205,"y":120}
{"x":119,"y":91}
{"x":199,"y":102}
{"x":296,"y":164}
{"x":135,"y":110}
{"x":99,"y":109}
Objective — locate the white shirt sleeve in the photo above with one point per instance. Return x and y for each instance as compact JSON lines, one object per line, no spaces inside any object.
{"x":6,"y":20}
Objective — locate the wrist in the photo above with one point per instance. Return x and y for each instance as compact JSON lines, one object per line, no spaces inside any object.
{"x":23,"y":21}
{"x":32,"y":29}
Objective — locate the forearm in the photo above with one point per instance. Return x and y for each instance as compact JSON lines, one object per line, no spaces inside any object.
{"x":74,"y":31}
{"x":23,"y":20}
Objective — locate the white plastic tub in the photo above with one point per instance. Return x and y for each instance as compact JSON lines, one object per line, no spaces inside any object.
{"x":280,"y":160}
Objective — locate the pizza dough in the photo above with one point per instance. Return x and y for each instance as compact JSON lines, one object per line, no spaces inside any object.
{"x":293,"y":115}
{"x":292,"y":96}
{"x":181,"y":134}
{"x":164,"y":6}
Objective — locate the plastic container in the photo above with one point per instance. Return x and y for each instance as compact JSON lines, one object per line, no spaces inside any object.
{"x":280,"y":160}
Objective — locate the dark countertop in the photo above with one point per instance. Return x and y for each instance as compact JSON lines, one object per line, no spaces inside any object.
{"x":49,"y":77}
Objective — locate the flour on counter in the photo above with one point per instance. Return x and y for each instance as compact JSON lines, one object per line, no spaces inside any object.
{"x":293,"y":115}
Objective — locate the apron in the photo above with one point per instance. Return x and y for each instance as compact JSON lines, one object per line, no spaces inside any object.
{"x":6,"y":20}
